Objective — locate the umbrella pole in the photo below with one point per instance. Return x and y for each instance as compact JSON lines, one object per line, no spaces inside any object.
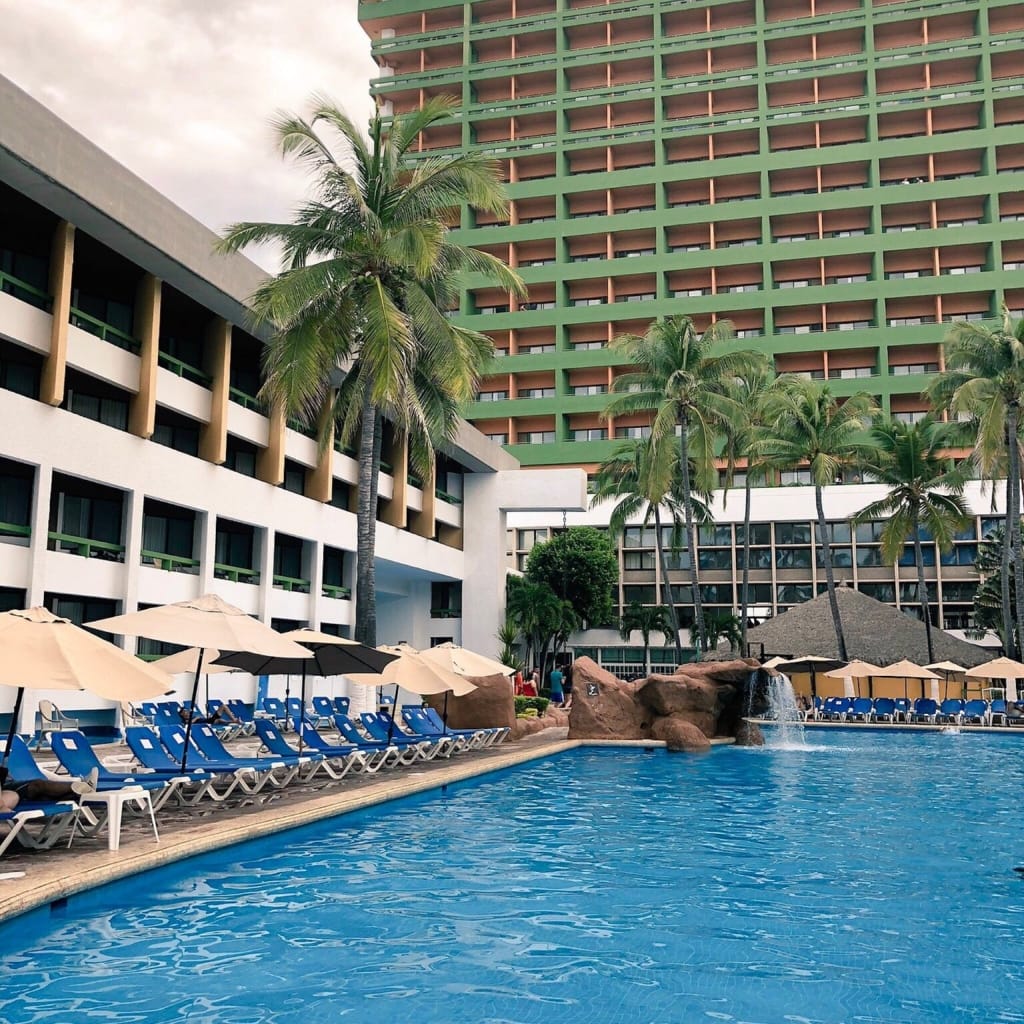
{"x":391,"y":720}
{"x":10,"y":732}
{"x":444,"y":713}
{"x":287,"y":697}
{"x":191,"y":714}
{"x":302,"y":714}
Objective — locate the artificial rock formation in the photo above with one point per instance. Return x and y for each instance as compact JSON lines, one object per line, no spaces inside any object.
{"x":490,"y":705}
{"x":686,"y":709}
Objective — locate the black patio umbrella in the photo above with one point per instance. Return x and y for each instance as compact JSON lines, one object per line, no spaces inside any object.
{"x":332,"y":656}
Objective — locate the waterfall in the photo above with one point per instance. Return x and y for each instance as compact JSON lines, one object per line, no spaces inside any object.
{"x":783,"y":709}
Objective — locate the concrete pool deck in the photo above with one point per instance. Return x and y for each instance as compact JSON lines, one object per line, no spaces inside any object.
{"x":60,"y":872}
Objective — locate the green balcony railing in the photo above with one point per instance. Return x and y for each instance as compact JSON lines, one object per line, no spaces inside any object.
{"x":451,"y":499}
{"x":85,"y":546}
{"x":104,"y":331}
{"x":446,"y":613}
{"x":235,"y":573}
{"x":414,"y":481}
{"x":15,"y":530}
{"x":338,"y":593}
{"x":170,"y":563}
{"x":185,"y":370}
{"x":25,"y":291}
{"x":292,"y":584}
{"x":244,"y":399}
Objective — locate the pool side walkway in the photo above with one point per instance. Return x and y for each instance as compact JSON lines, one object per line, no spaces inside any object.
{"x":59,"y":872}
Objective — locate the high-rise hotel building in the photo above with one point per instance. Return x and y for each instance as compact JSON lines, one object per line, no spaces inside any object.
{"x":839,"y":178}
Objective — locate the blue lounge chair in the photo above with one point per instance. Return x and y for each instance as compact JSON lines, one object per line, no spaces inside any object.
{"x":323,"y":712}
{"x":55,"y":820}
{"x":244,"y":713}
{"x":997,"y":709}
{"x":78,"y":758}
{"x":348,"y":731}
{"x":925,"y":710}
{"x":311,"y":760}
{"x":976,"y":711}
{"x":372,"y":760}
{"x":861,"y":709}
{"x":884,"y":710}
{"x":254,"y":774}
{"x":147,"y":749}
{"x":902,"y":709}
{"x":492,"y":734}
{"x":465,"y":739}
{"x":274,"y":709}
{"x":837,"y":708}
{"x":950,"y":710}
{"x":381,"y":727}
{"x":341,"y":705}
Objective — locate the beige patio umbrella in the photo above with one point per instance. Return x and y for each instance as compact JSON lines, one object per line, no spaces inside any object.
{"x":186,"y":661}
{"x":464,"y":662}
{"x":412,"y":671}
{"x":948,"y":669}
{"x":42,"y":650}
{"x":857,"y":669}
{"x":1000,"y":668}
{"x":907,"y":670}
{"x":205,"y":622}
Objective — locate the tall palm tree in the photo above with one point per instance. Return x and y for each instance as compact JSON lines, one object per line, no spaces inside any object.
{"x":644,"y":480}
{"x":683,"y":377}
{"x":810,"y":427}
{"x":369,"y":272}
{"x":646,"y":619}
{"x":751,"y":390}
{"x":984,"y":379}
{"x":925,"y":491}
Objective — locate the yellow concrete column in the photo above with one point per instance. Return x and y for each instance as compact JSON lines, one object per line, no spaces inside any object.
{"x":320,"y":479}
{"x":213,"y":437}
{"x":396,"y":511}
{"x":142,"y":415}
{"x":62,"y":257}
{"x":424,"y":523}
{"x":270,"y":461}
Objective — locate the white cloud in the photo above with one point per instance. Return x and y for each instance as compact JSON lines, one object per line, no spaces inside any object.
{"x":181,"y":91}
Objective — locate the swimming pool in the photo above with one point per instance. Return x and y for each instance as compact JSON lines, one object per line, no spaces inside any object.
{"x":867,"y":878}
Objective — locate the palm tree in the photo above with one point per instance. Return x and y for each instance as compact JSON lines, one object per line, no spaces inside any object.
{"x":750,"y":389}
{"x":683,"y":377}
{"x":645,"y":480}
{"x":925,"y":491}
{"x":645,"y":619}
{"x":541,"y":616}
{"x":370,"y":271}
{"x":984,"y":380}
{"x":809,"y":427}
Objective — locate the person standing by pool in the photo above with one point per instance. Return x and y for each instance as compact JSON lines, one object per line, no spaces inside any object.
{"x":555,"y":683}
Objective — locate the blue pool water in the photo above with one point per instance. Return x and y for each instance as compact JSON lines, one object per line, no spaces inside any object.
{"x":866,"y":879}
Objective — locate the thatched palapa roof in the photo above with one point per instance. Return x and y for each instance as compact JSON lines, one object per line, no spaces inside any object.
{"x":875,"y":632}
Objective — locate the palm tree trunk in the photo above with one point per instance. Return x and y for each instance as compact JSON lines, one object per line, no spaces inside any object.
{"x":666,"y":587}
{"x":745,"y":583}
{"x":825,"y":541}
{"x":1009,"y":638}
{"x":647,"y":654}
{"x":922,"y":592}
{"x":1013,"y":425}
{"x":366,"y":526}
{"x":691,"y":535}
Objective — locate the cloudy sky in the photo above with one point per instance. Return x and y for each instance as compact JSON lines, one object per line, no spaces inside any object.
{"x":180,"y":91}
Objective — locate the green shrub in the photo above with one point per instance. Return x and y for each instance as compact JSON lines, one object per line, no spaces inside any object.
{"x":540,"y":704}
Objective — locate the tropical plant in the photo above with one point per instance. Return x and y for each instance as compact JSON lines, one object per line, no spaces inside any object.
{"x":723,"y":627}
{"x":925,"y":493}
{"x":988,"y":598}
{"x":683,"y":378}
{"x":369,"y":272}
{"x":645,"y":619}
{"x":540,"y":615}
{"x":984,"y":382}
{"x":750,"y":389}
{"x":508,"y":636}
{"x":811,"y":428}
{"x":580,"y":566}
{"x":645,"y":480}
